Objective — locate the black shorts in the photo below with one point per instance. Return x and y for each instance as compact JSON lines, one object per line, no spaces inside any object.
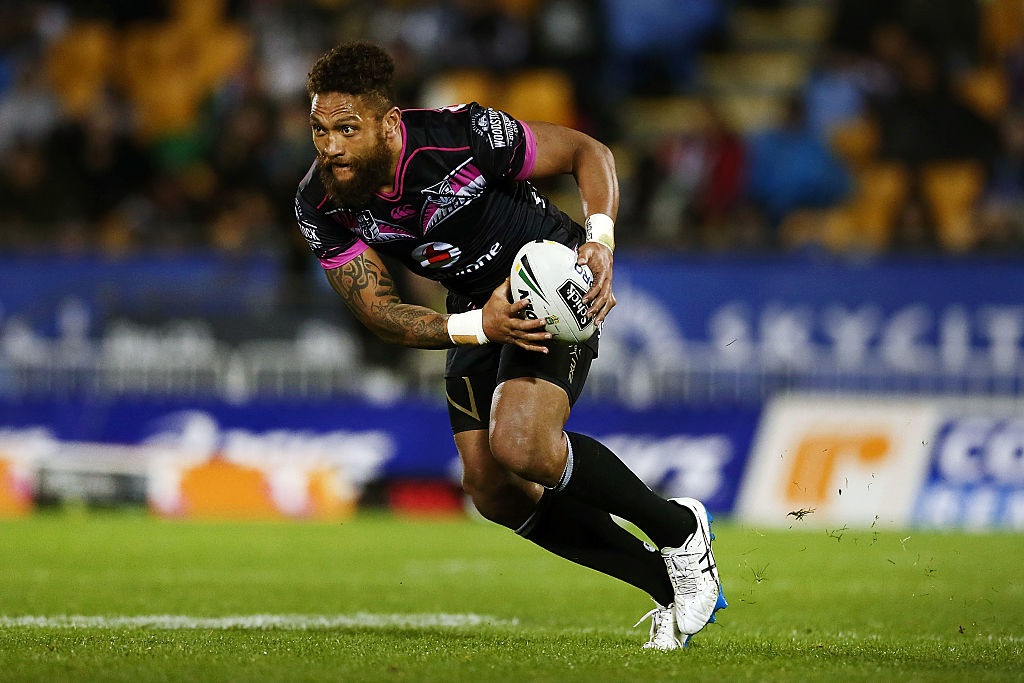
{"x":473,"y":372}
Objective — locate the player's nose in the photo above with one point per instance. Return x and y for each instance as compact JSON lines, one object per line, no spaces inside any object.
{"x":335,"y":146}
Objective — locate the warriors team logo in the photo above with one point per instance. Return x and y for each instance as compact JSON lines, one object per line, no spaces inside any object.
{"x":436,"y":254}
{"x":454,"y":191}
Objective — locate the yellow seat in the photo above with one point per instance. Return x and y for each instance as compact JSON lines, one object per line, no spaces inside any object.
{"x":654,"y":118}
{"x":882,"y":189}
{"x":532,"y":94}
{"x":800,"y":24}
{"x":459,"y":86}
{"x":541,"y":95}
{"x":168,"y":70}
{"x":779,"y":71}
{"x":750,"y":113}
{"x":805,"y":227}
{"x":986,"y":90}
{"x":855,"y":142}
{"x":198,"y":15}
{"x":1002,"y":26}
{"x":79,"y":65}
{"x":951,"y":190}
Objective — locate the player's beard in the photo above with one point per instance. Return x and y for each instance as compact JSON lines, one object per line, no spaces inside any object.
{"x":369,"y":173}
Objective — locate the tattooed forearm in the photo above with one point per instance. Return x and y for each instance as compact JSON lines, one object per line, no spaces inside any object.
{"x":369,"y":292}
{"x":416,"y":325}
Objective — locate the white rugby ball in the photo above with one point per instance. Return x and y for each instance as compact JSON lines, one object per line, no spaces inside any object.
{"x":548,"y":274}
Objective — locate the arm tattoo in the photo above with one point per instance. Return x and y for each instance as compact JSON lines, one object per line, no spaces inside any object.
{"x":369,"y":292}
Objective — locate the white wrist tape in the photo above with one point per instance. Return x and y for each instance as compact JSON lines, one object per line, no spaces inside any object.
{"x":601,"y":228}
{"x":467,"y":328}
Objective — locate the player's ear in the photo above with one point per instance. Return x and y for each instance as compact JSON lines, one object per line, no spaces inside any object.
{"x":392,"y":120}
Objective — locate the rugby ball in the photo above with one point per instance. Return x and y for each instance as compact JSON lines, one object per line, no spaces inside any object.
{"x":546,"y":272}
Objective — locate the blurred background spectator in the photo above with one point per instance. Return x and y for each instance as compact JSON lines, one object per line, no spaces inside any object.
{"x":739,"y":125}
{"x":792,"y":167}
{"x":757,"y":124}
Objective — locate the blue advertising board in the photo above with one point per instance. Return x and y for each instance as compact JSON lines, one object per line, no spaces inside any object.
{"x":678,"y":452}
{"x":34,"y":288}
{"x":926,"y":316}
{"x":975,"y":473}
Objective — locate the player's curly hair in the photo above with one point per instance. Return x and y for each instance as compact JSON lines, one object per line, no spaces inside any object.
{"x":355,"y":68}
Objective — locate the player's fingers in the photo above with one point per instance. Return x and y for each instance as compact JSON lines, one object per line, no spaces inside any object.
{"x":601,"y":303}
{"x":601,"y":283}
{"x":603,"y":312}
{"x":528,"y":329}
{"x":518,"y":307}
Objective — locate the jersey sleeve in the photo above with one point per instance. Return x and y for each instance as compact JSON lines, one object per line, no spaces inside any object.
{"x":502,"y":146}
{"x":330,"y":243}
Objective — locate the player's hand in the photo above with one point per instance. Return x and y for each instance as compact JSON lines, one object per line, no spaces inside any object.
{"x":599,"y":258}
{"x":502,"y":322}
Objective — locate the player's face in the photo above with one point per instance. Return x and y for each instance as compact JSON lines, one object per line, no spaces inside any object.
{"x":352,"y":146}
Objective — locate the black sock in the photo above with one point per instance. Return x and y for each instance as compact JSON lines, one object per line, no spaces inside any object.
{"x":596,"y":476}
{"x":587,"y":536}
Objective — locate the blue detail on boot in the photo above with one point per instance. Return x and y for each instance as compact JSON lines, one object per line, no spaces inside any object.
{"x":722,"y":603}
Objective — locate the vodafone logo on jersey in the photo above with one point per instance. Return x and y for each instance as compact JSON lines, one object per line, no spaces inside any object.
{"x":436,"y":255}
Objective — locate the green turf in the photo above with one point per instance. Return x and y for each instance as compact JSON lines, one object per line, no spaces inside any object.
{"x":806,"y":605}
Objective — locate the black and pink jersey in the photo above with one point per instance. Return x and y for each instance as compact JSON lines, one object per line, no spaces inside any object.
{"x":461,"y":206}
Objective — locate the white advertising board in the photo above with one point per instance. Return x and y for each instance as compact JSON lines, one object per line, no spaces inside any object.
{"x":861,"y":461}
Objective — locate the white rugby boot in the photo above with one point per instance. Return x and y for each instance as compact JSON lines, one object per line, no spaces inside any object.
{"x":664,"y":634}
{"x":694,"y":574}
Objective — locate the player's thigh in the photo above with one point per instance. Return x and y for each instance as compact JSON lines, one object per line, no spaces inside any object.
{"x":536,"y":391}
{"x":531,"y":404}
{"x":565,"y":366}
{"x":527,"y":417}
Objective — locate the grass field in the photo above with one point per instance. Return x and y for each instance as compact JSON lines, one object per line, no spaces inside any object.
{"x":125,"y":597}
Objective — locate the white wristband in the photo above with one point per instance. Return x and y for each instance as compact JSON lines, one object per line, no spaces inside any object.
{"x":467,"y":328}
{"x":601,"y":228}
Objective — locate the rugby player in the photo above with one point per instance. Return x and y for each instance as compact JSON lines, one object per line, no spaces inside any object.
{"x":447,"y":193}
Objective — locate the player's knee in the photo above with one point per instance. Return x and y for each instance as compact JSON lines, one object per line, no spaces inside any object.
{"x":533,"y":455}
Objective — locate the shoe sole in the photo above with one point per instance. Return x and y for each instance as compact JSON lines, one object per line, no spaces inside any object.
{"x":721,"y":603}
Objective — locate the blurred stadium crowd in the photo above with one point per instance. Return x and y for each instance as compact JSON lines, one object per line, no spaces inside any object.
{"x":738,"y":125}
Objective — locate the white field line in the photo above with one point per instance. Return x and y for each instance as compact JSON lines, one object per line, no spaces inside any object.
{"x":257,"y":622}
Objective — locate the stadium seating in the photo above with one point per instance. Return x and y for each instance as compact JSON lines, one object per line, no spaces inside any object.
{"x":855,"y":142}
{"x":951,"y":189}
{"x":1002,"y":26}
{"x":529,"y":94}
{"x":459,"y":86}
{"x":863,"y":223}
{"x":541,"y":94}
{"x":79,"y":64}
{"x":795,"y":25}
{"x":986,"y":90}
